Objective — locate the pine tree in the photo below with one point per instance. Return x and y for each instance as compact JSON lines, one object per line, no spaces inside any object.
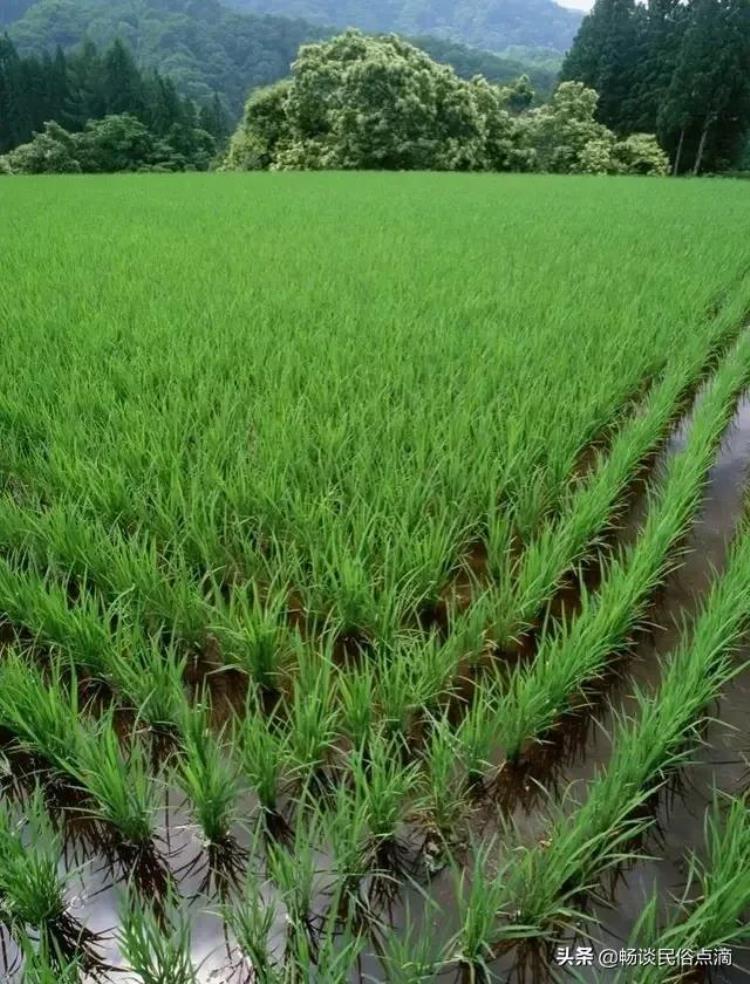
{"x":123,"y":85}
{"x":605,"y":57}
{"x":15,"y":122}
{"x":707,"y":108}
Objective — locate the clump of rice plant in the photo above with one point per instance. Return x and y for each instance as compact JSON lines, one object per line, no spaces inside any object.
{"x":255,"y":636}
{"x":412,"y":955}
{"x":157,"y":947}
{"x":313,"y":719}
{"x":293,"y":869}
{"x":41,"y":712}
{"x":385,"y":784}
{"x":208,"y":777}
{"x":32,"y":891}
{"x":479,"y":894}
{"x":442,"y":805}
{"x":346,"y":829}
{"x":44,"y":963}
{"x":119,"y":782}
{"x":251,"y":919}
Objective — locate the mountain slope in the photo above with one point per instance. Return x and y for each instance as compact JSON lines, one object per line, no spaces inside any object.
{"x":488,"y":24}
{"x":205,"y":47}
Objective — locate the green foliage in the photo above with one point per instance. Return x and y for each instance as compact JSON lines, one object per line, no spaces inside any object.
{"x":358,"y":102}
{"x":115,"y":143}
{"x":640,"y":153}
{"x":565,"y":135}
{"x":681,"y":70}
{"x":54,"y":151}
{"x":203,"y":46}
{"x":129,"y":119}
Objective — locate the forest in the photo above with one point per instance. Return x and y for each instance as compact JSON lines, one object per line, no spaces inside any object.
{"x":101,"y":110}
{"x":640,"y":81}
{"x":680,"y":70}
{"x":208,"y":49}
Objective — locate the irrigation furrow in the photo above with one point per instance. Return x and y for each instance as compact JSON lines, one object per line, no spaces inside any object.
{"x":548,"y":882}
{"x":570,"y":659}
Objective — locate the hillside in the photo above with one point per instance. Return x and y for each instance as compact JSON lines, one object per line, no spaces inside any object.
{"x":205,"y":47}
{"x":489,"y":24}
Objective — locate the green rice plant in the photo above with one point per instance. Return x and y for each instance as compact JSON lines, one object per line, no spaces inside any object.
{"x":31,"y":601}
{"x":412,"y":955}
{"x":386,"y":785}
{"x":293,"y":869}
{"x":346,"y":830}
{"x":149,"y":676}
{"x":31,"y":888}
{"x":43,"y":963}
{"x":336,"y":953}
{"x":124,"y":795}
{"x":716,"y":898}
{"x":251,"y":920}
{"x":261,"y":748}
{"x":356,"y":696}
{"x":313,"y":716}
{"x":254,"y":636}
{"x":41,"y":712}
{"x":550,"y":881}
{"x":567,"y":659}
{"x":476,"y":737}
{"x":207,"y":776}
{"x":479,"y":892}
{"x":156,"y":947}
{"x":442,"y":803}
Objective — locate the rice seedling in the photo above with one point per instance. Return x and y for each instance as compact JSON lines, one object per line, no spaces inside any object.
{"x":550,"y":881}
{"x":261,"y":749}
{"x":32,"y":891}
{"x":386,"y":785}
{"x":411,"y":956}
{"x":479,"y":893}
{"x":207,"y":776}
{"x":442,"y":805}
{"x":313,"y":718}
{"x":294,"y":872}
{"x":156,"y":947}
{"x":712,"y":916}
{"x":45,"y":965}
{"x":119,"y":782}
{"x":252,"y":920}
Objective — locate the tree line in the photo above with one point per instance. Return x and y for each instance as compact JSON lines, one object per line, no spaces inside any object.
{"x":363,"y":102}
{"x":73,"y":90}
{"x":676,"y":68}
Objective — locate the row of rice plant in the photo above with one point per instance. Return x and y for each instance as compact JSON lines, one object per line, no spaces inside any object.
{"x":570,"y":658}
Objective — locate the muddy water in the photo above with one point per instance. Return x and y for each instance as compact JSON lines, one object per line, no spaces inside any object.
{"x":720,"y":764}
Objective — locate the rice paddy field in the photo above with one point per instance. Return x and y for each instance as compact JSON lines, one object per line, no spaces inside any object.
{"x":374,"y":577}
